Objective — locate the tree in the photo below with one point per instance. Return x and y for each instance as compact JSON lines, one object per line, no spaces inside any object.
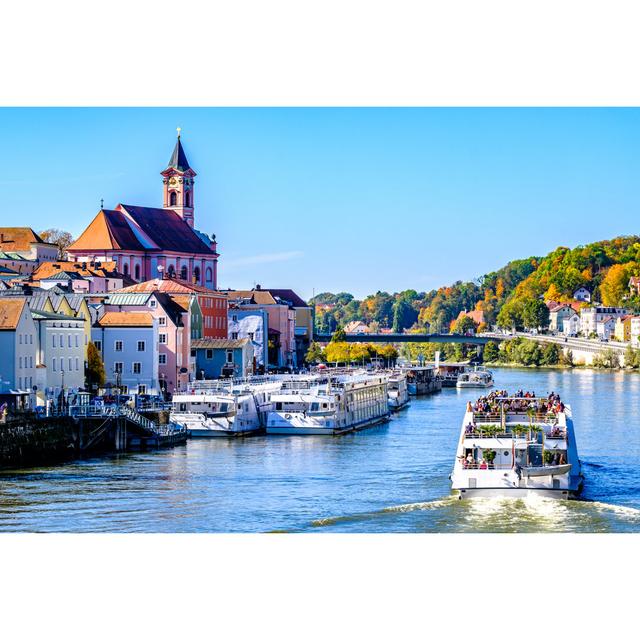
{"x":338,"y":335}
{"x":535,"y":314}
{"x":387,"y":352}
{"x":615,"y":284}
{"x":404,"y":315}
{"x":57,"y":236}
{"x":314,"y":354}
{"x":464,"y":325}
{"x":550,"y":354}
{"x":491,"y":352}
{"x":95,"y":368}
{"x":360,"y":352}
{"x":337,"y":352}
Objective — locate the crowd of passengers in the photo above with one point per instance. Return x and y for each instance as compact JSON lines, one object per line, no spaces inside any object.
{"x":520,"y":402}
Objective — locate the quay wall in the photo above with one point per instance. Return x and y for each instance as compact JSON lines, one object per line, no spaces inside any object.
{"x":28,"y":442}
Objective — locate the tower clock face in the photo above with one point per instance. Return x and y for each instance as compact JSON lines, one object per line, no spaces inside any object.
{"x":173,"y":181}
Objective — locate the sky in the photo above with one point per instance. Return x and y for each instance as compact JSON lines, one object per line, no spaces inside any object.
{"x":340,"y":199}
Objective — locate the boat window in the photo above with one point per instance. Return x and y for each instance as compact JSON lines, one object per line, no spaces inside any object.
{"x":183,"y":406}
{"x":278,"y":406}
{"x":315,"y":406}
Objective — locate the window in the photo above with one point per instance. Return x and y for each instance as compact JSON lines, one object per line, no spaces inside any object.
{"x":250,"y":335}
{"x":61,"y":364}
{"x":77,"y":364}
{"x":162,"y":321}
{"x":196,"y":275}
{"x":61,"y":340}
{"x":153,"y":303}
{"x":229,"y":355}
{"x":118,"y":345}
{"x":162,"y":338}
{"x":31,"y":339}
{"x":125,"y":269}
{"x":209,"y":275}
{"x":70,"y":364}
{"x":69,"y":340}
{"x":162,"y":358}
{"x":193,"y":353}
{"x":77,"y":340}
{"x":136,"y":272}
{"x":209,"y":354}
{"x":20,"y":361}
{"x":20,"y":338}
{"x":137,"y":367}
{"x":171,"y":271}
{"x":183,"y":272}
{"x":173,"y":199}
{"x":142,"y":389}
{"x":187,"y":199}
{"x":141,"y":345}
{"x":53,"y":364}
{"x":31,"y":362}
{"x":234,"y":318}
{"x":234,"y":335}
{"x":54,"y":340}
{"x":98,"y":344}
{"x":117,"y":367}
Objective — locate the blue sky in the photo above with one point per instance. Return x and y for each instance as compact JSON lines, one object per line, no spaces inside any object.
{"x":344,"y":199}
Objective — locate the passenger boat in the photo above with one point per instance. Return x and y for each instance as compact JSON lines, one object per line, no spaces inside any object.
{"x":517,"y":447}
{"x":479,"y":378}
{"x":448,"y":372}
{"x":338,"y":405}
{"x":397,"y":391}
{"x":422,"y":380}
{"x":208,"y":413}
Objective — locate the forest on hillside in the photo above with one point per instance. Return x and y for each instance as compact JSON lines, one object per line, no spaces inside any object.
{"x":513,"y":296}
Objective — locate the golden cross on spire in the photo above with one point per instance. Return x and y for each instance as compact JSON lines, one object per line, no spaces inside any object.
{"x":178,"y":130}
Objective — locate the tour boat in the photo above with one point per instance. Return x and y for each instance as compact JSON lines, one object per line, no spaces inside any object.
{"x":397,"y":391}
{"x":209,"y":413}
{"x":518,"y":448}
{"x":332,"y":407}
{"x":422,"y":380}
{"x":448,"y":372}
{"x":479,"y":378}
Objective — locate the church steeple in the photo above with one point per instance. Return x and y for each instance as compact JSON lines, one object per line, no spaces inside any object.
{"x":178,"y":184}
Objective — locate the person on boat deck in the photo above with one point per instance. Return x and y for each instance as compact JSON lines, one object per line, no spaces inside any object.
{"x":469,"y":459}
{"x":483,"y":464}
{"x":562,"y":459}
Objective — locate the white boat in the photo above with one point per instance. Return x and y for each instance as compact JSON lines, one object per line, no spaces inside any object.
{"x":397,"y":391}
{"x":448,"y":372}
{"x":341,"y":404}
{"x":479,"y":378}
{"x":422,"y":380}
{"x":517,"y":448}
{"x":209,"y":413}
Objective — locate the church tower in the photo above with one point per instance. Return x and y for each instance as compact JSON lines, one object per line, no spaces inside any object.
{"x":177,"y":181}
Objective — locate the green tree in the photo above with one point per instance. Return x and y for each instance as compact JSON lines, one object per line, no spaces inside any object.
{"x":314,"y":354}
{"x":465,"y":325}
{"x":404,"y":315}
{"x":491,"y":352}
{"x":535,"y":314}
{"x":95,"y":368}
{"x":550,"y":354}
{"x":338,"y":335}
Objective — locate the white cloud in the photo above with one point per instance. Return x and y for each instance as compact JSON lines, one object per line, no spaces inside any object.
{"x":262,"y":258}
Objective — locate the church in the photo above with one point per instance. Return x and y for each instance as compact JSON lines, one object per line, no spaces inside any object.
{"x":149,"y":242}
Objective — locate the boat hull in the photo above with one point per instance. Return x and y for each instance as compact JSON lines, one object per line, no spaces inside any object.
{"x":516,"y":492}
{"x":284,"y":430}
{"x":220,"y":433}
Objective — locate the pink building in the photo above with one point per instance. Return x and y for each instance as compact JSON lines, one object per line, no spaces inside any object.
{"x":147,"y":242}
{"x":175,"y":369}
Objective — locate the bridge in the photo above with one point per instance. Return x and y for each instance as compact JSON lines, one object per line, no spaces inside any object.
{"x":409,"y":337}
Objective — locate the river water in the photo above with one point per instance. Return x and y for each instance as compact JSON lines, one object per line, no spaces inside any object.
{"x":392,"y":478}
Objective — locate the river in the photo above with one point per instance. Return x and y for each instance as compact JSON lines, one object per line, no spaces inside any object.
{"x":392,"y":478}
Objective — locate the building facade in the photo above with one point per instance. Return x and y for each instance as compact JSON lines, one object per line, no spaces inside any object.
{"x":252,"y":324}
{"x":18,"y":346}
{"x":222,"y":358}
{"x":147,"y":242}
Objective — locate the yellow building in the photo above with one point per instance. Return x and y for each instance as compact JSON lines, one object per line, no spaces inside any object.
{"x":622,"y":331}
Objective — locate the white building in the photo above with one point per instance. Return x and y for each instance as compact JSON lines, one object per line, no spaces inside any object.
{"x":635,"y":331}
{"x":571,"y":325}
{"x":18,"y":346}
{"x":557,"y":316}
{"x":591,"y":316}
{"x":606,"y":327}
{"x":582,"y":294}
{"x":60,"y":356}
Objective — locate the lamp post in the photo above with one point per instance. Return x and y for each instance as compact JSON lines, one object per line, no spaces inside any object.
{"x":62,"y":392}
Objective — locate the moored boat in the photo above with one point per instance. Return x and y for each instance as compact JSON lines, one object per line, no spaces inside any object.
{"x":517,"y":446}
{"x":208,"y":413}
{"x":479,"y":378}
{"x":397,"y":391}
{"x":422,"y":380}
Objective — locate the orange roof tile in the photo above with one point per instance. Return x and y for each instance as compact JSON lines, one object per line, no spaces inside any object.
{"x":18,"y":238}
{"x":10,"y":312}
{"x":47,"y":269}
{"x":169,"y":285}
{"x":183,"y":301}
{"x":126,"y":319}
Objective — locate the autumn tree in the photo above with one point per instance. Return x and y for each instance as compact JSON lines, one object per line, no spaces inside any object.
{"x":57,"y":236}
{"x":464,"y":325}
{"x":314,"y":354}
{"x":615,"y":284}
{"x":95,"y":368}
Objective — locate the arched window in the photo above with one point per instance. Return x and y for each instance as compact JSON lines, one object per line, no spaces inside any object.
{"x":209,"y":276}
{"x":173,"y":199}
{"x":125,"y":269}
{"x":171,"y":272}
{"x":183,"y":272}
{"x":137,"y":272}
{"x":187,"y":199}
{"x":196,"y":275}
